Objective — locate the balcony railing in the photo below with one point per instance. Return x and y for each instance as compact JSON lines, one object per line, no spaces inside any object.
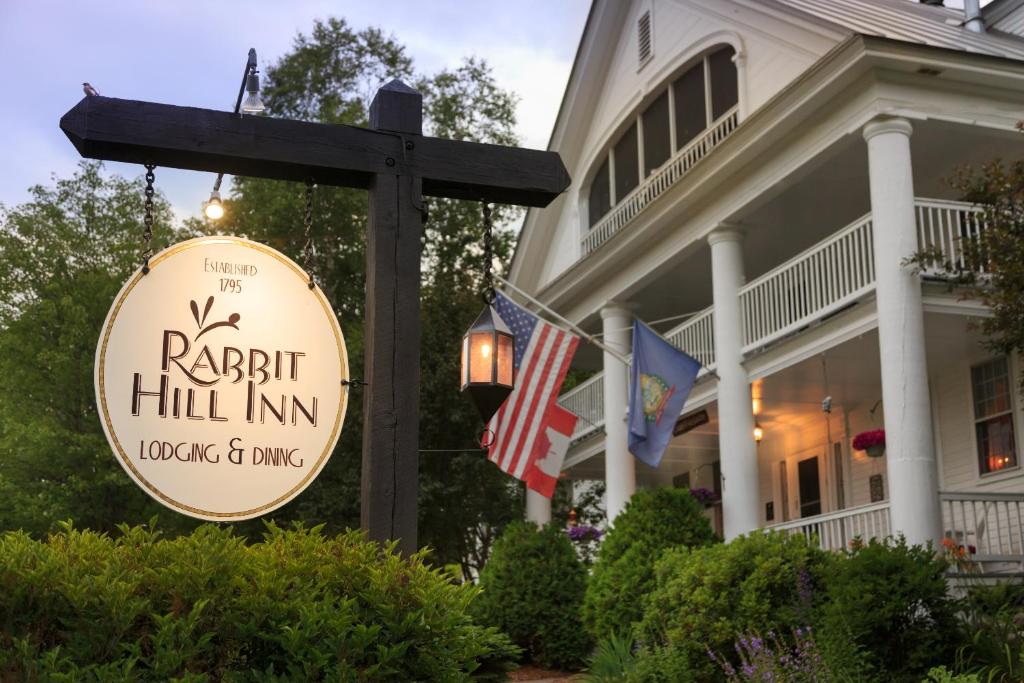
{"x":586,"y":400}
{"x":809,"y":286}
{"x":990,"y":523}
{"x":664,"y":178}
{"x":805,"y":289}
{"x":835,"y":530}
{"x":947,"y":225}
{"x":695,"y":336}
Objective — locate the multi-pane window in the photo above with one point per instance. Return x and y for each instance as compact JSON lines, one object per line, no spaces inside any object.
{"x":703,"y":94}
{"x":600,"y":194}
{"x":691,"y":105}
{"x":993,"y":416}
{"x":657,"y":137}
{"x":627,"y":163}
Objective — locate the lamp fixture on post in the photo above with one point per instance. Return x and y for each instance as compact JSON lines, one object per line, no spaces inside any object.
{"x":488,"y":347}
{"x":213,"y":208}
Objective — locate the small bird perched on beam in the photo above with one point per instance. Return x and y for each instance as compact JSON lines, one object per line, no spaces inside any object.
{"x":89,"y":90}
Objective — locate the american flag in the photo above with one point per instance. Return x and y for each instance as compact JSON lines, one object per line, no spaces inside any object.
{"x":543,"y":353}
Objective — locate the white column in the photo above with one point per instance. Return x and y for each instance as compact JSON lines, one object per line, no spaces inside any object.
{"x":619,"y":464}
{"x":909,"y":445}
{"x":736,"y":446}
{"x":538,"y":508}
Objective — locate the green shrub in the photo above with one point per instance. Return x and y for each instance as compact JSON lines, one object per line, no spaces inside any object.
{"x":653,"y":521}
{"x":992,"y":631}
{"x":612,"y":661}
{"x":209,"y":607}
{"x":705,"y":599}
{"x":889,"y":600}
{"x":941,"y":674}
{"x":533,"y":586}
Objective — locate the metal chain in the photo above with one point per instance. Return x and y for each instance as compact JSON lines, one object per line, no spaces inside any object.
{"x":147,"y":233}
{"x":308,"y":253}
{"x":488,"y":293}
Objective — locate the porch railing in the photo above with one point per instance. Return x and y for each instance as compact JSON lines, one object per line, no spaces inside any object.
{"x":586,"y":400}
{"x":805,"y":289}
{"x":809,"y":286}
{"x":835,"y":530}
{"x":653,"y":186}
{"x":990,"y":523}
{"x":696,"y":336}
{"x":947,"y":226}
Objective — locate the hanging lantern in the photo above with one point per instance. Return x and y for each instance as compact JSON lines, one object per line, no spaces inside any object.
{"x":487,"y":350}
{"x":488,"y":347}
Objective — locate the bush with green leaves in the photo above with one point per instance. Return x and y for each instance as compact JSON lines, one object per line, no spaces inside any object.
{"x":209,"y":607}
{"x":613,"y":659}
{"x":533,"y":586}
{"x":653,"y":521}
{"x":706,"y":598}
{"x":992,"y":630}
{"x":889,"y":600}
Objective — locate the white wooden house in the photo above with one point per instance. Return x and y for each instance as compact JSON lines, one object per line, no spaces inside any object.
{"x":752,"y":173}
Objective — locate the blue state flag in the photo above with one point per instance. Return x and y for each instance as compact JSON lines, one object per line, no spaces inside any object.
{"x":659,"y":385}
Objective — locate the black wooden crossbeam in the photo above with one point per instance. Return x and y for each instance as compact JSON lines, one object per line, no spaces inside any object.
{"x":206,"y":140}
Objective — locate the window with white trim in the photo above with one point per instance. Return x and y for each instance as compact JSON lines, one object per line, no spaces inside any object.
{"x":991,"y":389}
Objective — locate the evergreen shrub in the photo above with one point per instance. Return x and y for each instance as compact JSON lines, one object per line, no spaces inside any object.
{"x":532,"y":588}
{"x":209,"y":607}
{"x":706,"y":599}
{"x":889,"y":601}
{"x":654,"y":520}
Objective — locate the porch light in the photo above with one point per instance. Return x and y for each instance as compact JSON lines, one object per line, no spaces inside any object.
{"x":487,"y":352}
{"x":758,"y":433}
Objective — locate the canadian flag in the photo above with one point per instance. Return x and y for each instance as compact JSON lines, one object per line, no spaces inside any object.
{"x":549,"y":450}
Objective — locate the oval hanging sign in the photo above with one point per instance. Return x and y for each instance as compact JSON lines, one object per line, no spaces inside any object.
{"x":219,"y":379}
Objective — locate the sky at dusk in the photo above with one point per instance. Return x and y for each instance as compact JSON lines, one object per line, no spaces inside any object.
{"x":192,"y":52}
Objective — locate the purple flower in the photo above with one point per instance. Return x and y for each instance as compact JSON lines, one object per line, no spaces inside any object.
{"x":704,"y":496}
{"x":584,"y":533}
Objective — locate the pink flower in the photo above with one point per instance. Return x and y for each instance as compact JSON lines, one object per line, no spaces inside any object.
{"x":866,"y":440}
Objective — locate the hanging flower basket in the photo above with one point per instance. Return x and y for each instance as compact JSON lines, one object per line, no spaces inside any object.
{"x":704,"y":496}
{"x":873,"y":442}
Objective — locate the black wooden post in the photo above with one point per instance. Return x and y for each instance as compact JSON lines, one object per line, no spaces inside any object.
{"x":391,"y":402}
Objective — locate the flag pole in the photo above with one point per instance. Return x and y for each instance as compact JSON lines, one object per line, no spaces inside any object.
{"x":590,"y":338}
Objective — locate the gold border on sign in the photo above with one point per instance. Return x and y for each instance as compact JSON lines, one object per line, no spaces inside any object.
{"x":342,"y":359}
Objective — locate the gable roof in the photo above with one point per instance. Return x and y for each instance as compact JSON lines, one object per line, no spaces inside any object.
{"x":908,"y":21}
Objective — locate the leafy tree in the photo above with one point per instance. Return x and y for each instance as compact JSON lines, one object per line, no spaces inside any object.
{"x":66,"y":253}
{"x":330,"y":76}
{"x":998,"y":190}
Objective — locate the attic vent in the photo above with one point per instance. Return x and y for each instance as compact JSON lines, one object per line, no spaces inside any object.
{"x":643,"y":26}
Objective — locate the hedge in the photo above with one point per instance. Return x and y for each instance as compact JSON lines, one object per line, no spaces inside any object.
{"x":533,"y":587}
{"x":653,"y":521}
{"x":210,"y":607}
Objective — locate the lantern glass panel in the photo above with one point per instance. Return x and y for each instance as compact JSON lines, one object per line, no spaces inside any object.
{"x":505,"y":355}
{"x":465,"y":361}
{"x":481,"y":359}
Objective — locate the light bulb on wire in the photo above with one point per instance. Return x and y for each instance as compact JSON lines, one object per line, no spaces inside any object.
{"x":214,"y":209}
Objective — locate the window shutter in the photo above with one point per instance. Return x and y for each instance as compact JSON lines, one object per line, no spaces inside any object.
{"x":644,"y":36}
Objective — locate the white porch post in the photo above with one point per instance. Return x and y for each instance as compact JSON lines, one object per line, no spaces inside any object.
{"x":619,"y":464}
{"x":538,"y":508}
{"x":737,"y":450}
{"x":909,"y":445}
